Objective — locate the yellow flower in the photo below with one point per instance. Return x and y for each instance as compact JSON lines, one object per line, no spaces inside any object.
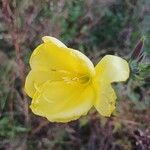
{"x":64,"y":84}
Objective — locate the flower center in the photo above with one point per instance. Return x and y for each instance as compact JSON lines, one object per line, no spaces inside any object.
{"x":84,"y":79}
{"x":73,"y":78}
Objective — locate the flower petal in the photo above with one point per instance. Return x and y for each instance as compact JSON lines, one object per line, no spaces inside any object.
{"x":53,"y":40}
{"x":48,"y":56}
{"x":62,"y":102}
{"x":37,"y":77}
{"x":105,"y":101}
{"x":112,"y":69}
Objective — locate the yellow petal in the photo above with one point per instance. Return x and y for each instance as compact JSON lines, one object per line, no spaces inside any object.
{"x":35,"y":78}
{"x":105,"y":101}
{"x":112,"y":69}
{"x":62,"y":102}
{"x":51,"y":57}
{"x":53,"y":40}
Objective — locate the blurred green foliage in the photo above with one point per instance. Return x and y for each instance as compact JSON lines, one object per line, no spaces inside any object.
{"x":96,"y":28}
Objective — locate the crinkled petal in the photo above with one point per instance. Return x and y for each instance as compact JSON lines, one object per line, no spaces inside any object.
{"x":52,"y":57}
{"x":105,"y":99}
{"x":35,"y":78}
{"x":112,"y":69}
{"x":62,"y":102}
